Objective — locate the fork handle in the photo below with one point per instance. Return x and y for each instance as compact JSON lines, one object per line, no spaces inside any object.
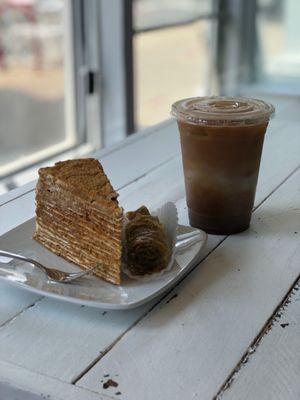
{"x":12,"y":255}
{"x":19,"y":257}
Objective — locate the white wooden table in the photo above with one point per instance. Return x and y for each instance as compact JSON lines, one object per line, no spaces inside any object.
{"x":230,"y":329}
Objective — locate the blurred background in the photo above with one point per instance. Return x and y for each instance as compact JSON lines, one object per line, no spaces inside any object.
{"x":76,"y":75}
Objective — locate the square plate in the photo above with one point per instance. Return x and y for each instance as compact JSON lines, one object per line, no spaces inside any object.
{"x":90,"y":290}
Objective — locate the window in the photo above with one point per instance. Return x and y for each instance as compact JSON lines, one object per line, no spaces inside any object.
{"x":172,"y":51}
{"x":37,"y":109}
{"x":152,"y":52}
{"x":78,"y":75}
{"x":258,"y":47}
{"x":279,"y":44}
{"x":59,"y":58}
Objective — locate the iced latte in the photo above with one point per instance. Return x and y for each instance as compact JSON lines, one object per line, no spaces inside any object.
{"x":221,"y":142}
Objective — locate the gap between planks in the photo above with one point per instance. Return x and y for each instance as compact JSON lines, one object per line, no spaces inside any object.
{"x":147,"y":132}
{"x":103,"y":353}
{"x":256,"y":340}
{"x":119,"y":188}
{"x":166,"y":161}
{"x":277,"y":187}
{"x":45,"y":386}
{"x":8,"y":321}
{"x":17,"y":197}
{"x":269,"y":323}
{"x":149,"y":171}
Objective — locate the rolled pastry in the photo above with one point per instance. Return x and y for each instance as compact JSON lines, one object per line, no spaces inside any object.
{"x":147,"y":247}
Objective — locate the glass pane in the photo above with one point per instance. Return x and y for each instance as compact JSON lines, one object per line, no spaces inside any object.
{"x":34,"y":52}
{"x":170,"y":64}
{"x":153,"y":13}
{"x":279,"y":41}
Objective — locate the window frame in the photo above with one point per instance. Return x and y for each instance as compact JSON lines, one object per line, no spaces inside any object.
{"x":129,"y":34}
{"x":74,"y":97}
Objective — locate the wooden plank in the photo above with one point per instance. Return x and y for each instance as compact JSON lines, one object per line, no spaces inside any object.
{"x":67,"y":338}
{"x":133,"y":161}
{"x":164,"y":183}
{"x":280,"y":156}
{"x":139,"y":154}
{"x":3,"y":189}
{"x":43,"y":329}
{"x":123,"y":164}
{"x":270,"y":369}
{"x":23,"y":208}
{"x":187,"y":347}
{"x":18,"y":205}
{"x":166,"y":135}
{"x":281,"y":145}
{"x":286,"y":106}
{"x":157,"y":187}
{"x":16,"y":212}
{"x":18,"y":192}
{"x":59,"y":324}
{"x":61,"y":339}
{"x":20,"y":384}
{"x":13,"y":300}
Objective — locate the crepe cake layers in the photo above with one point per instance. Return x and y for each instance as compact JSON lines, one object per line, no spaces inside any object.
{"x":78,"y":216}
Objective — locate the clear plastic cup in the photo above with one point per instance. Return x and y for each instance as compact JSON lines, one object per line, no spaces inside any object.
{"x":221,"y":143}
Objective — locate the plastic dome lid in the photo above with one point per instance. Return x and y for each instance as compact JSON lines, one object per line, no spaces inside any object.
{"x":222,"y":111}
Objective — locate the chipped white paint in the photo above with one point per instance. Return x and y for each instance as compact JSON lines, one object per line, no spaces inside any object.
{"x":34,"y":386}
{"x":59,"y":339}
{"x":43,"y":330}
{"x":272,"y":371}
{"x":186,"y":348}
{"x":62,"y":340}
{"x":49,"y":322}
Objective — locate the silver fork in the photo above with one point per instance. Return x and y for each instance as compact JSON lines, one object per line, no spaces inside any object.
{"x":53,"y":274}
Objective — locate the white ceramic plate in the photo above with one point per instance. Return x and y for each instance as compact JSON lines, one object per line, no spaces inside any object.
{"x":90,"y":291}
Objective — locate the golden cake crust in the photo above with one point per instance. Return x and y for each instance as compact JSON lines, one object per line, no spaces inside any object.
{"x":84,"y":178}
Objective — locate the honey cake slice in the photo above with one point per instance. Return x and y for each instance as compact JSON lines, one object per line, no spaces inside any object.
{"x":78,"y":216}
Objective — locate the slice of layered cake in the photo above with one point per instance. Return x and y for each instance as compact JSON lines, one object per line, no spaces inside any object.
{"x":78,"y":216}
